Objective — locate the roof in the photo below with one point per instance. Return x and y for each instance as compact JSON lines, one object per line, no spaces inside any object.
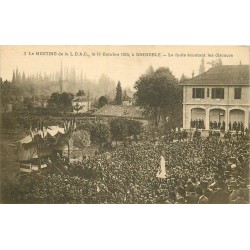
{"x":222,"y":75}
{"x":80,"y":99}
{"x":52,"y":130}
{"x":120,"y":111}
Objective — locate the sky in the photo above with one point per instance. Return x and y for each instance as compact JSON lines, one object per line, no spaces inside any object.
{"x":125,"y":68}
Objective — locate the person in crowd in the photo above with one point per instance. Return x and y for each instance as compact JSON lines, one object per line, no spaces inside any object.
{"x":219,"y":195}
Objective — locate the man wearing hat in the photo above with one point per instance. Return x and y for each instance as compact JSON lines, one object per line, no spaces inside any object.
{"x":191,"y":197}
{"x":202,"y":199}
{"x":219,"y":196}
{"x":205,"y":190}
{"x":238,"y":197}
{"x":180,"y":197}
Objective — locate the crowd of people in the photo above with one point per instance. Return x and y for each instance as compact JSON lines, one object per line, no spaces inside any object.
{"x":198,"y":123}
{"x":236,"y":126}
{"x":217,"y":125}
{"x":199,"y":171}
{"x":220,"y":125}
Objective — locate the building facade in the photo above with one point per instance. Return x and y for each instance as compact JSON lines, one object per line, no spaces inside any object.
{"x":81,"y":105}
{"x":217,"y":99}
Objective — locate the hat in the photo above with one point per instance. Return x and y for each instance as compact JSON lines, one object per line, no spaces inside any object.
{"x":180,"y":200}
{"x":203,"y":200}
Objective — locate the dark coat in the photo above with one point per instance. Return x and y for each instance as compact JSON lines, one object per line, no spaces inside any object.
{"x":219,"y":197}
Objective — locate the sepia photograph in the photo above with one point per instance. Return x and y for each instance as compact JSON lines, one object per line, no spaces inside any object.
{"x":124,"y":124}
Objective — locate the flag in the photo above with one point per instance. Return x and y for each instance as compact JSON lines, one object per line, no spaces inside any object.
{"x":162,"y":171}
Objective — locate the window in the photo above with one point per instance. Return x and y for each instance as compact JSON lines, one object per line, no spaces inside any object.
{"x":208,"y":90}
{"x":198,"y":93}
{"x":237,"y":93}
{"x":217,"y":93}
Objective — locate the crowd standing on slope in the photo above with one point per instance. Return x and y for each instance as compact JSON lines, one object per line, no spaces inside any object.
{"x":198,"y":171}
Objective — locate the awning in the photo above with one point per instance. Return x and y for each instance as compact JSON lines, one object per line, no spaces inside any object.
{"x":52,"y":130}
{"x":26,"y":139}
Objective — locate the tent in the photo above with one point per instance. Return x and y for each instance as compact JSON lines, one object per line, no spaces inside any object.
{"x":50,"y":139}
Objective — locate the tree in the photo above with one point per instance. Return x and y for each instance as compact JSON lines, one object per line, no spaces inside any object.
{"x":13,"y":77}
{"x":9,"y":121}
{"x":87,"y":125}
{"x":122,"y":128}
{"x":100,"y":134}
{"x":23,"y":78}
{"x":119,"y":129}
{"x":80,"y":93}
{"x":134,"y":127}
{"x":105,"y":87}
{"x":28,"y":103}
{"x":215,"y":63}
{"x":102,"y":101}
{"x":60,"y":103}
{"x":118,"y":97}
{"x":183,"y":78}
{"x":159,"y":94}
{"x":81,"y":139}
{"x":150,"y":70}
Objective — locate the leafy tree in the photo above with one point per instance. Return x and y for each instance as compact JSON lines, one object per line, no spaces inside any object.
{"x":85,"y":125}
{"x":118,"y":97}
{"x":60,"y":103}
{"x":6,"y":90}
{"x":183,"y":78}
{"x":134,"y":127}
{"x":81,"y":139}
{"x":215,"y":63}
{"x":13,"y":77}
{"x":28,"y":103}
{"x":119,"y":129}
{"x":150,"y":70}
{"x":9,"y":122}
{"x":102,"y":101}
{"x":105,"y":87}
{"x":80,"y":93}
{"x":159,"y":94}
{"x":23,"y":77}
{"x":100,"y":134}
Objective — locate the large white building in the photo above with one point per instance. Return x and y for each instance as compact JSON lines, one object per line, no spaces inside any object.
{"x":218,"y":98}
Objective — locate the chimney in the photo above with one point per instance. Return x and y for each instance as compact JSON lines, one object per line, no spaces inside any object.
{"x":192,"y":74}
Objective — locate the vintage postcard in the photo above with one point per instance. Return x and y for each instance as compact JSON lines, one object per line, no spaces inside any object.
{"x":124,"y":124}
